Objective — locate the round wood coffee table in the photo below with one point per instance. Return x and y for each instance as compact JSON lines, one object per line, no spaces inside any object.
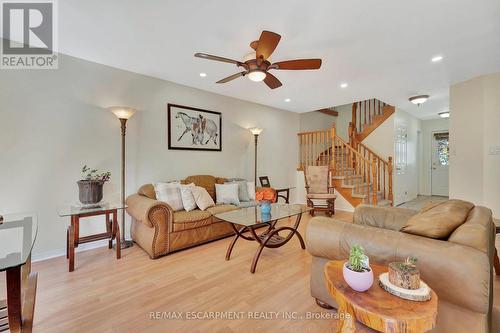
{"x":376,"y":308}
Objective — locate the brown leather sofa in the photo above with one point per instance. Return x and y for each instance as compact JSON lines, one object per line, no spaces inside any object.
{"x":458,"y":267}
{"x":159,"y":230}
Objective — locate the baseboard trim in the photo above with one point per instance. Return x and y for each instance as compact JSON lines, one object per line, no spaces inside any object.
{"x":62,"y":252}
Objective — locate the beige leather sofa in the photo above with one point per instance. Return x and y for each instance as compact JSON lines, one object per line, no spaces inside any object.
{"x":458,"y":268}
{"x":159,"y":230}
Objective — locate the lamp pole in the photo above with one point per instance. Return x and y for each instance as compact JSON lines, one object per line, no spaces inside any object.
{"x":255,"y":131}
{"x":123,"y":114}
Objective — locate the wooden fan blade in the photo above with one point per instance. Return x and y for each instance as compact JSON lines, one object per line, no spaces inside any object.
{"x":232,"y":77}
{"x":217,"y":58}
{"x":271,"y":81}
{"x":267,"y":43}
{"x":298,"y":64}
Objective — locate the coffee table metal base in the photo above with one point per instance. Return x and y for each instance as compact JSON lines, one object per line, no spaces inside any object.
{"x":270,"y":238}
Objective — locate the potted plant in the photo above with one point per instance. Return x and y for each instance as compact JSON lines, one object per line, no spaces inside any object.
{"x":90,"y":186}
{"x":357,"y":272}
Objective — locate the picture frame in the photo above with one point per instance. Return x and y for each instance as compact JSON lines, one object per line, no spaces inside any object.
{"x":192,"y":128}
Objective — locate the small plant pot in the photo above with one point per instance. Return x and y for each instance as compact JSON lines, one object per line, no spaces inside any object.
{"x":359,"y":281}
{"x":90,"y":191}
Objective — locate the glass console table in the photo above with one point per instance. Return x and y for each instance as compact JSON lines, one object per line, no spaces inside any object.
{"x":17,"y":236}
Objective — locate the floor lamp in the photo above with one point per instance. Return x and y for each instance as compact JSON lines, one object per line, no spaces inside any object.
{"x":123,"y":114}
{"x":255,"y":131}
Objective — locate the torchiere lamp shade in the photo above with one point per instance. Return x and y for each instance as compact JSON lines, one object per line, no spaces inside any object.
{"x":122,"y":112}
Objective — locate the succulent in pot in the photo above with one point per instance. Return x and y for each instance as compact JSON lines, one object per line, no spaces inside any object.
{"x":357,"y":272}
{"x":91,"y":184}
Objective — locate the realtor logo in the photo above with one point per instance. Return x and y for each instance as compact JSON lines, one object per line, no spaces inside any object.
{"x":28,"y":35}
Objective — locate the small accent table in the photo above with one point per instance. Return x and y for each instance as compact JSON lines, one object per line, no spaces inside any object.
{"x":73,"y":238}
{"x":17,"y":236}
{"x":249,"y":219}
{"x":375,"y":307}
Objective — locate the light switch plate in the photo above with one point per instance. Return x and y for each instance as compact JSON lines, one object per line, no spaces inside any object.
{"x":494,"y":150}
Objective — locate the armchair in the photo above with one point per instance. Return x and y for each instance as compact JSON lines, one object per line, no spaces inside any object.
{"x":318,"y":188}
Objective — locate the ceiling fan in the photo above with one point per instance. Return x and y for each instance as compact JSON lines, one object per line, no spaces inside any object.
{"x":256,"y":64}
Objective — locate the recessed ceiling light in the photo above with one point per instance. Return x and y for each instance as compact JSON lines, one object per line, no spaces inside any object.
{"x":343,"y":85}
{"x":437,"y":58}
{"x":418,"y":99}
{"x":287,"y":100}
{"x":445,"y":114}
{"x":203,"y":74}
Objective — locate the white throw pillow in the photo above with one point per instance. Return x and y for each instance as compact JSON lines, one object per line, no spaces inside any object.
{"x":187,"y":197}
{"x":251,"y":190}
{"x":227,"y":194}
{"x":169,"y":193}
{"x":202,"y":198}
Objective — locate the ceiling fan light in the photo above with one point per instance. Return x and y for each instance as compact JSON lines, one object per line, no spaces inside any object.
{"x":257,"y":75}
{"x":419,"y":99}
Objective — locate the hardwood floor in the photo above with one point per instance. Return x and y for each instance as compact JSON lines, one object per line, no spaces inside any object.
{"x":108,"y":295}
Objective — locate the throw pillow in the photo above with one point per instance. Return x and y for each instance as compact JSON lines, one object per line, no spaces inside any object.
{"x":187,"y":197}
{"x":227,"y":194}
{"x":251,"y":190}
{"x":202,"y":198}
{"x":170,"y":194}
{"x":242,"y":190}
{"x":440,"y":220}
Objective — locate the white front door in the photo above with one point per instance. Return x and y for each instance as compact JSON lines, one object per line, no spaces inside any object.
{"x":440,"y":163}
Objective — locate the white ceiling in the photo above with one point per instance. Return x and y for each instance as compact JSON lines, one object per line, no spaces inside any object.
{"x":382,"y":49}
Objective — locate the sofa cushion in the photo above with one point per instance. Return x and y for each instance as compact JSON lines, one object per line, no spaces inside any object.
{"x":189,"y":220}
{"x":440,"y":220}
{"x":187,"y":197}
{"x":202,"y":198}
{"x":169,"y":193}
{"x":206,"y":181}
{"x":147,"y":190}
{"x":227,"y":194}
{"x":221,"y":209}
{"x":477,"y":231}
{"x":242,"y":189}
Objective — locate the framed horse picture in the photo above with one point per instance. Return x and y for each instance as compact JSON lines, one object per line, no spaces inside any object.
{"x":193,"y":129}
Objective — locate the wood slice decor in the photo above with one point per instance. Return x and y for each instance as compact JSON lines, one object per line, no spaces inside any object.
{"x":420,"y":295}
{"x":404,"y":276}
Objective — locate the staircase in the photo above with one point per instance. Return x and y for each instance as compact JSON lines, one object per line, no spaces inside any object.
{"x":358,"y":173}
{"x":367,"y":116}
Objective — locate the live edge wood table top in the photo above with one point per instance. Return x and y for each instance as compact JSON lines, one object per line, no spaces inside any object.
{"x":376,"y":308}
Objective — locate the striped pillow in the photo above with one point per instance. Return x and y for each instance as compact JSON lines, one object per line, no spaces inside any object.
{"x":170,"y":194}
{"x":187,"y":197}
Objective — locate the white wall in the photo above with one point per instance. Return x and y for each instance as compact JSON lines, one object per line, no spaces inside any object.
{"x":343,"y":120}
{"x":406,"y":185}
{"x":54,"y":121}
{"x":315,"y":120}
{"x":429,"y":127}
{"x":474,"y":138}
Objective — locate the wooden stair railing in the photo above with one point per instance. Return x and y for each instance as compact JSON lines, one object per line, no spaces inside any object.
{"x":368,"y":115}
{"x":383,"y":169}
{"x":358,"y":168}
{"x":315,"y":148}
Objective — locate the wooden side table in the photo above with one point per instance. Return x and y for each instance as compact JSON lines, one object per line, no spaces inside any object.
{"x":376,"y":308}
{"x":73,"y":238}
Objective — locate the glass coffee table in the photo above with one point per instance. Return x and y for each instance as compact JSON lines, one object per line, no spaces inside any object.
{"x":246,"y":221}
